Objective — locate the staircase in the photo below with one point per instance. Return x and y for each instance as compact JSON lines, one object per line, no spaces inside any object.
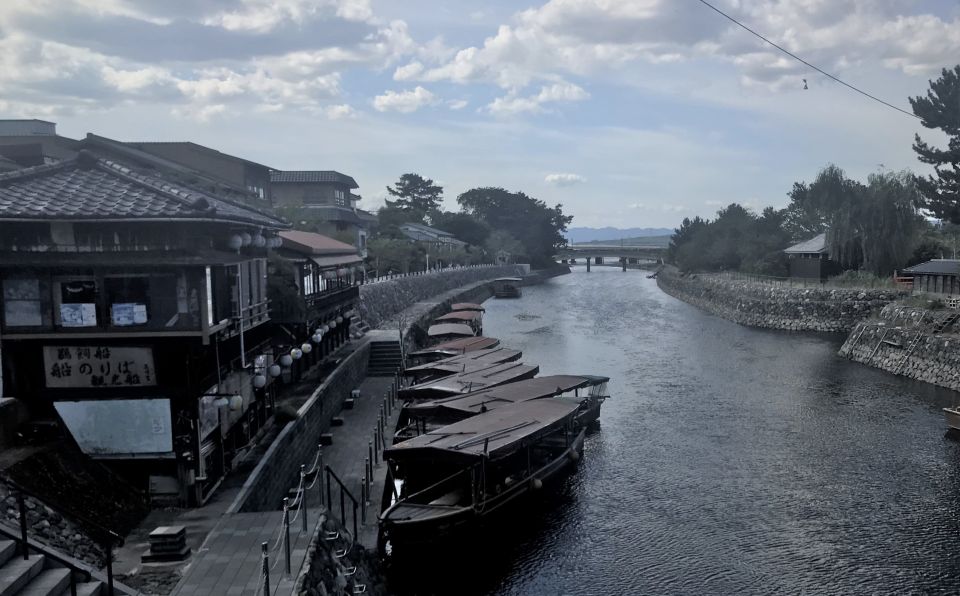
{"x":357,"y":327}
{"x":386,"y":358}
{"x":40,"y":575}
{"x":945,"y":322}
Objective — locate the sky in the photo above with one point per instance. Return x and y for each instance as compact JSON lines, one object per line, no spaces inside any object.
{"x":630,"y":113}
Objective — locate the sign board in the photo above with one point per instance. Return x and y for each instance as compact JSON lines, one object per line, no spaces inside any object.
{"x":120,"y":426}
{"x":78,"y":367}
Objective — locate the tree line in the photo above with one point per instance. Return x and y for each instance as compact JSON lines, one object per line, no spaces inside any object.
{"x":491,"y":220}
{"x":878,"y":225}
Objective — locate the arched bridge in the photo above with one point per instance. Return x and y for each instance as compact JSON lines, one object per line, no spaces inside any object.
{"x":600,"y":254}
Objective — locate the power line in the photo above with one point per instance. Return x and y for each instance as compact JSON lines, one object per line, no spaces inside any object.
{"x":799,"y":59}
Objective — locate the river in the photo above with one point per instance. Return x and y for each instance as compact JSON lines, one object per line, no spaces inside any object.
{"x":729,"y":460}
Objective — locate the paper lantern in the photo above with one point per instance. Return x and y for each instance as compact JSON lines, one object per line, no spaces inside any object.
{"x":306,"y":348}
{"x":236,"y":402}
{"x":246,"y":239}
{"x":259,"y":381}
{"x":297,"y":353}
{"x":235,"y":242}
{"x":317,"y":337}
{"x":286,"y":360}
{"x":333,"y":324}
{"x":274,"y":370}
{"x":259,"y":241}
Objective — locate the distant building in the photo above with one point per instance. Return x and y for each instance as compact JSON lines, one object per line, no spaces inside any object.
{"x":25,"y":143}
{"x":27,"y":128}
{"x":138,"y":303}
{"x":810,"y":259}
{"x":437,"y":241}
{"x":237,"y":171}
{"x":940,"y":276}
{"x":327,"y":196}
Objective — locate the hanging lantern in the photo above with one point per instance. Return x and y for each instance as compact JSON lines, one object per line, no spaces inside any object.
{"x":339,"y":320}
{"x":325,"y":329}
{"x":333,"y":324}
{"x":236,"y":403}
{"x":306,"y":348}
{"x":286,"y":360}
{"x":274,"y":370}
{"x":297,"y":353}
{"x":259,"y":381}
{"x":246,"y":239}
{"x":259,"y":241}
{"x":341,"y":272}
{"x":316,"y":337}
{"x":235,"y":242}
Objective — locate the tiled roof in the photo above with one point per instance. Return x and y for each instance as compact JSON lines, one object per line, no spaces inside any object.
{"x":89,"y":188}
{"x":315,"y":244}
{"x":936,"y":267}
{"x":281,"y":177}
{"x":817,"y":244}
{"x":146,"y":145}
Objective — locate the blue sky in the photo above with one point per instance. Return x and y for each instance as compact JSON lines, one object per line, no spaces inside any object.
{"x":632,"y":113}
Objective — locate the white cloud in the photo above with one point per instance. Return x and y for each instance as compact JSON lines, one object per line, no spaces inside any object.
{"x":403,"y":101}
{"x":457,"y":104}
{"x":261,"y":16}
{"x":408,"y":72}
{"x":558,"y":92}
{"x":336,"y":112}
{"x":564,"y":179}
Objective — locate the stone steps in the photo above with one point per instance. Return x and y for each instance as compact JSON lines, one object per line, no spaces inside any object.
{"x":38,"y":575}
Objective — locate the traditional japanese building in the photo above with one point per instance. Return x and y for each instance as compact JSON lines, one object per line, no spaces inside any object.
{"x":940,"y":276}
{"x":810,"y":259}
{"x":135,"y":311}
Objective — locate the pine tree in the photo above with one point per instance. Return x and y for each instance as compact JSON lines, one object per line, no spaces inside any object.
{"x":941,"y":109}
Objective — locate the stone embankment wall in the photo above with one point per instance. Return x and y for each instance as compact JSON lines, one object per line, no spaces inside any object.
{"x":776,"y":307}
{"x":381,"y":301}
{"x":279,"y":469}
{"x":912,"y":342}
{"x":324,"y":574}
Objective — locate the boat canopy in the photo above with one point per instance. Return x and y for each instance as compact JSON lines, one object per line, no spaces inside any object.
{"x":450,"y":329}
{"x":509,"y":279}
{"x":491,"y":376}
{"x":461,"y":315}
{"x":470,"y":361}
{"x":467,"y":306}
{"x":495,"y":434}
{"x":458,"y":346}
{"x":500,"y":396}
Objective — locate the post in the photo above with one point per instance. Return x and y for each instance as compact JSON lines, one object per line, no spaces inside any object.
{"x":265,"y":567}
{"x":329,"y":500}
{"x":108,"y":547}
{"x":367,"y":470}
{"x":355,"y":535}
{"x":370,"y":452}
{"x":363,"y":498}
{"x":303,"y":496}
{"x":320,"y":475}
{"x":376,"y":441}
{"x":343,"y":511}
{"x":286,"y":534}
{"x":22,"y":504}
{"x":588,"y":264}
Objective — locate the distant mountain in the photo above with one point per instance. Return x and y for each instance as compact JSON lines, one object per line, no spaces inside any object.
{"x":578,"y":235}
{"x":661,"y":241}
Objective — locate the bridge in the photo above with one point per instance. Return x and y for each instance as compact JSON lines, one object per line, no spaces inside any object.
{"x":610,"y":254}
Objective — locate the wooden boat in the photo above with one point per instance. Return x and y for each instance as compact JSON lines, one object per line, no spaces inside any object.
{"x":474,"y":318}
{"x":953,"y":417}
{"x":442,"y":332}
{"x":467,"y":306}
{"x":423,"y":417}
{"x":461,"y":364}
{"x":490,"y":376}
{"x":453,"y":347}
{"x":456,"y":476}
{"x":507,"y":287}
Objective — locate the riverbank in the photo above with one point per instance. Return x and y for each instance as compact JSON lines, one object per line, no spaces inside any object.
{"x":769,"y":306}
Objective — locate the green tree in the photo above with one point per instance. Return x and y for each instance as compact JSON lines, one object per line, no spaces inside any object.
{"x":502,"y":240}
{"x":941,"y":109}
{"x":393,"y":254}
{"x":463,"y":226}
{"x":538,"y":227}
{"x":417,"y":195}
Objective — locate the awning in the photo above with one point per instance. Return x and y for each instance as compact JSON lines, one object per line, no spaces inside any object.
{"x":337,"y":261}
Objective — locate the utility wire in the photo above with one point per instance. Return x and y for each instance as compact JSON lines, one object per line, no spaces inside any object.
{"x":799,"y":59}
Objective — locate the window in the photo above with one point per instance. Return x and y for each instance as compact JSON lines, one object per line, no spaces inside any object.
{"x":23,"y":303}
{"x":340,"y":197}
{"x":77,"y":300}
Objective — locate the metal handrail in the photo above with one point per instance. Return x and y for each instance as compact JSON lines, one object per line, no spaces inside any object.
{"x":108,"y":538}
{"x":343,"y":491}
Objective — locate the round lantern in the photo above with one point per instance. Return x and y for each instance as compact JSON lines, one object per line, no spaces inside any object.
{"x":236,"y":402}
{"x":333,"y":324}
{"x":246,"y":239}
{"x":274,"y":370}
{"x":317,"y":337}
{"x":297,"y":353}
{"x":306,"y":348}
{"x":339,"y":320}
{"x":325,"y":329}
{"x":259,"y":381}
{"x":259,"y":241}
{"x":286,"y":360}
{"x":235,"y":242}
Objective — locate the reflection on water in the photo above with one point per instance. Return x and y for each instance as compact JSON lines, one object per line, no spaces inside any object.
{"x":730,"y":460}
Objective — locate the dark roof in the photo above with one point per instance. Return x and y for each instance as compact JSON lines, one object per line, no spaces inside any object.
{"x":146,"y":145}
{"x":815,"y":245}
{"x":494,"y":434}
{"x":461,"y":315}
{"x":300,"y":176}
{"x":449,"y":329}
{"x":334,"y":213}
{"x":467,"y":306}
{"x":459,"y":346}
{"x":88,"y":188}
{"x":936,"y":267}
{"x":311,"y":243}
{"x":74,"y":260}
{"x":491,"y":376}
{"x":470,"y":361}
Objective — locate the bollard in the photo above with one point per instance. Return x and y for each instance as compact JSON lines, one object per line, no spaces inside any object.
{"x":329,"y":501}
{"x":265,"y":550}
{"x":303,"y":496}
{"x":286,"y":534}
{"x":363,"y":499}
{"x":320,"y":475}
{"x":376,"y":447}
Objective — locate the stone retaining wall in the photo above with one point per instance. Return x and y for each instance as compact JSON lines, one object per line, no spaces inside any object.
{"x":381,"y":301}
{"x":296,"y":444}
{"x":324,"y":574}
{"x":776,"y":307}
{"x":911,"y":342}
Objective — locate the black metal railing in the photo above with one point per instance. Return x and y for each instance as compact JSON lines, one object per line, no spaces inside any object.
{"x":344,"y":494}
{"x":106,"y":538}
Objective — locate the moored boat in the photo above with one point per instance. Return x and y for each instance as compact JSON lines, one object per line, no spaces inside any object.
{"x":467,"y":306}
{"x":507,"y":287}
{"x":455,"y":476}
{"x":474,"y":318}
{"x":453,"y":347}
{"x":423,"y":417}
{"x":489,"y":376}
{"x":442,"y":332}
{"x":953,"y":417}
{"x":468,"y":362}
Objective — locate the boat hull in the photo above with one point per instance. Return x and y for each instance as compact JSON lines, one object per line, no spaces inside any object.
{"x":953,"y":417}
{"x":450,"y":524}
